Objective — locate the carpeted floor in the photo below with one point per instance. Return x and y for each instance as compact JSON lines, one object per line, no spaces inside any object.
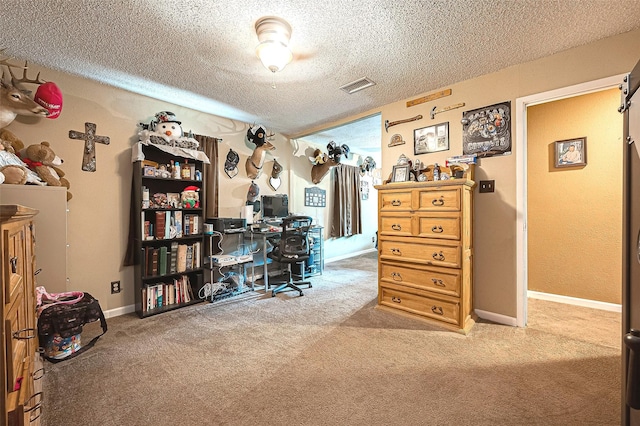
{"x":331,"y":358}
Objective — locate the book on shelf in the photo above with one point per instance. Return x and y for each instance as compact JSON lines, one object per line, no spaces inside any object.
{"x":197,"y":257}
{"x":162,"y":261}
{"x":167,"y":225}
{"x":154,"y":261}
{"x":189,"y":260}
{"x":177,"y":220}
{"x":173,"y":264}
{"x":181,"y":264}
{"x":160,"y":225}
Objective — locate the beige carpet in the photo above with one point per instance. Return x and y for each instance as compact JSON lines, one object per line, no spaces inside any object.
{"x":331,"y":358}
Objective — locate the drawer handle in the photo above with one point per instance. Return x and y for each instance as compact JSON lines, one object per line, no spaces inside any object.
{"x":17,"y":334}
{"x":396,"y":203}
{"x":438,"y":202}
{"x":14,"y":264}
{"x":36,"y":410}
{"x":438,"y":282}
{"x":396,"y":227}
{"x":396,"y":276}
{"x":438,"y":256}
{"x":437,"y":310}
{"x":437,"y":229}
{"x":396,"y":251}
{"x":38,"y":374}
{"x":396,"y":299}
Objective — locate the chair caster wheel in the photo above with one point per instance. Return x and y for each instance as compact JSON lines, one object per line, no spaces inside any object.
{"x":273,"y":294}
{"x":301,"y":294}
{"x":310,"y":286}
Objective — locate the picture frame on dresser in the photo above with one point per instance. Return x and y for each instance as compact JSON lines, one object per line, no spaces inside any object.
{"x":400,"y":173}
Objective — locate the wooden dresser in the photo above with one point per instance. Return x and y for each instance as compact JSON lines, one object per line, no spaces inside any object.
{"x":19,"y":397}
{"x":425,"y":251}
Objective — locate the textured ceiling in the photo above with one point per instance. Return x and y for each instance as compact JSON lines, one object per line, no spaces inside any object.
{"x":201,"y":53}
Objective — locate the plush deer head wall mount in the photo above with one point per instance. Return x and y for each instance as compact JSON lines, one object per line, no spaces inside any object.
{"x":322,"y":162}
{"x":14,"y":98}
{"x":257,"y":135}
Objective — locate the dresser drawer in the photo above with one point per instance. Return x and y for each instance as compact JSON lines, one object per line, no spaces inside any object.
{"x":439,"y":199}
{"x":395,"y":225}
{"x":419,"y":303}
{"x":13,"y":262}
{"x":439,"y":280}
{"x":444,"y":227}
{"x":395,"y":201}
{"x":437,"y":254}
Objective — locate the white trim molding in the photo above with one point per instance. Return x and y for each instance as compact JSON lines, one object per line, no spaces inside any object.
{"x":119,"y":311}
{"x":595,"y":304}
{"x":348,"y":255}
{"x":497,"y":318}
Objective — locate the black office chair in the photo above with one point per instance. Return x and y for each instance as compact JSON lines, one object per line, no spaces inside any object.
{"x":293,"y":248}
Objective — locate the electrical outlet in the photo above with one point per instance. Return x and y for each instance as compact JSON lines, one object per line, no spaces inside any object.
{"x":115,"y":287}
{"x":487,"y":185}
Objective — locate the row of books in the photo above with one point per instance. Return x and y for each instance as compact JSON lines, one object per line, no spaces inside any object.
{"x":171,"y":260}
{"x":164,"y":294}
{"x":170,"y":224}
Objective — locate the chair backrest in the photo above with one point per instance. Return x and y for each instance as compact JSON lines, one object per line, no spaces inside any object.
{"x":294,"y":241}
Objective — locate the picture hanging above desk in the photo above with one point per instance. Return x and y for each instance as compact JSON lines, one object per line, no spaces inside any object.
{"x":315,"y":197}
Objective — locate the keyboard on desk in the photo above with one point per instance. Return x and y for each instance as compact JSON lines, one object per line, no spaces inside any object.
{"x":234,"y":230}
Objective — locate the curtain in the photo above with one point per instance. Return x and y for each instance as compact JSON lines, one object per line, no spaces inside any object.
{"x":346,"y":202}
{"x":209,"y":199}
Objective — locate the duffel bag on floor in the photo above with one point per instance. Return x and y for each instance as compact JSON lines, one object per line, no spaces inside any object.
{"x":61,"y":317}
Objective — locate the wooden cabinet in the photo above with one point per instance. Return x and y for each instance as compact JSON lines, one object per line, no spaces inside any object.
{"x":425,"y":251}
{"x":19,"y":397}
{"x":169,"y":237}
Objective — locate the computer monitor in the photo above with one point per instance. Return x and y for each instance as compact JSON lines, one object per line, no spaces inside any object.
{"x":274,"y":206}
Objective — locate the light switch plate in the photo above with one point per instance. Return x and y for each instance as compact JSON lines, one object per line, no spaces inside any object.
{"x":487,"y":185}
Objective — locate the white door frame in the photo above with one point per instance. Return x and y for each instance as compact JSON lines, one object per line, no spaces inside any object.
{"x":521,"y":175}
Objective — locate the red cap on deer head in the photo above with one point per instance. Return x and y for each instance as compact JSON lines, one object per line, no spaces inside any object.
{"x":49,"y":96}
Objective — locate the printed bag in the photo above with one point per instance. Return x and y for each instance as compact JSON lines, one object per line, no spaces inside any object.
{"x":60,"y":319}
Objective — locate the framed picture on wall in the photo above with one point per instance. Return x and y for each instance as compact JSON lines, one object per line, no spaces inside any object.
{"x":431,"y":139}
{"x":571,"y":152}
{"x":400,"y":173}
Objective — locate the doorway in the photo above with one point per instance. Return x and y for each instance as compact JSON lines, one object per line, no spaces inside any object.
{"x":526,"y":204}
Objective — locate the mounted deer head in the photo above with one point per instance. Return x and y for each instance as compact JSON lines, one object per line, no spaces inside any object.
{"x":258,"y":136}
{"x":322,"y":163}
{"x":14,"y":99}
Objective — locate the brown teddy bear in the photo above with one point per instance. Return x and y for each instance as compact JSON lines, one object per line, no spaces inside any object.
{"x":44,"y":161}
{"x":11,"y":142}
{"x":11,"y":174}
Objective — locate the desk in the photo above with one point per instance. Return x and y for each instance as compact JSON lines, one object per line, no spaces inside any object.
{"x":265,"y":272}
{"x":316,"y":248}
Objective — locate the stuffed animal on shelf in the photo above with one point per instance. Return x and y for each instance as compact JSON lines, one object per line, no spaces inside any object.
{"x":165,"y":129}
{"x":11,"y":174}
{"x":43,"y":160}
{"x":14,"y":170}
{"x":190,"y":197}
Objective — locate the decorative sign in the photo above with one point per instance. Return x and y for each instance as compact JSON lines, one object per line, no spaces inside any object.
{"x":315,"y":197}
{"x":487,"y":131}
{"x":364,"y":190}
{"x":90,"y":138}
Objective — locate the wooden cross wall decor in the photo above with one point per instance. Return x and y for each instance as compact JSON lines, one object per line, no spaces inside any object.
{"x":90,"y":138}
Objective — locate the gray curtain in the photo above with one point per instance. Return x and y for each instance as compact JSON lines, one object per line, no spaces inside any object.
{"x":209,"y":199}
{"x":346,"y":220}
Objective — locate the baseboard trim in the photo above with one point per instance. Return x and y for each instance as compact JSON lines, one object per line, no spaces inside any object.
{"x":348,"y":255}
{"x":497,"y":318}
{"x":119,"y":311}
{"x":595,"y":304}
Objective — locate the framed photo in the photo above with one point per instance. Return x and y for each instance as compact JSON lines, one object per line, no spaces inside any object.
{"x":431,"y":139}
{"x":400,"y":173}
{"x":571,"y":152}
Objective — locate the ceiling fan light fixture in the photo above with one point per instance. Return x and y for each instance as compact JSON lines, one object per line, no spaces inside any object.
{"x":273,"y":50}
